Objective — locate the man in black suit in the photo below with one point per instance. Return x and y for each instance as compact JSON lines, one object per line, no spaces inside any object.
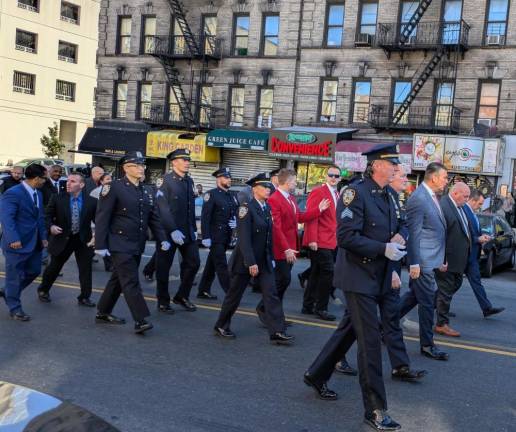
{"x":54,"y":184}
{"x":68,"y":217}
{"x":15,"y":178}
{"x":93,"y":181}
{"x":458,"y":245}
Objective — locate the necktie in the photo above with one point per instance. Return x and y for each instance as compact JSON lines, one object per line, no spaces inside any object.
{"x":291,"y":200}
{"x":464,"y":220}
{"x":437,"y":203}
{"x":75,"y":216}
{"x":35,"y":198}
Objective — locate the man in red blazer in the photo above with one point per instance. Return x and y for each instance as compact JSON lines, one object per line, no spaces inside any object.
{"x":285,"y":217}
{"x":321,"y":238}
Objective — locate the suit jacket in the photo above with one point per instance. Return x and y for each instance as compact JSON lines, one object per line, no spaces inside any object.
{"x":322,"y":229}
{"x":89,"y":185}
{"x":475,"y":232}
{"x":58,"y":212}
{"x":427,"y":231}
{"x":48,"y":190}
{"x":21,"y":220}
{"x":284,"y":223}
{"x":457,"y":237}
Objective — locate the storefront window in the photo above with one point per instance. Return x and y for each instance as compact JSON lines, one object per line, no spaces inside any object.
{"x":309,"y":176}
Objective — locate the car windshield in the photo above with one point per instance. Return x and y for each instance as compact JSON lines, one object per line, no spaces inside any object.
{"x":486,"y":224}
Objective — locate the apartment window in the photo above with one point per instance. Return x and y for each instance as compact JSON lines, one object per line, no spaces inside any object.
{"x":205,"y":96}
{"x":236,"y":107}
{"x":496,"y":26}
{"x":65,"y":91}
{"x":451,"y":26}
{"x":120,"y":105}
{"x":444,"y":94}
{"x":174,"y":109}
{"x":26,"y":41}
{"x":124,"y":35}
{"x":488,"y":103}
{"x":67,"y":52}
{"x":31,"y":5}
{"x":24,"y":83}
{"x":241,"y":35}
{"x":179,"y":39}
{"x":149,"y":35}
{"x":328,"y":101}
{"x":401,"y":91}
{"x":407,"y":11}
{"x":69,"y":12}
{"x":368,"y":16}
{"x":334,"y":25}
{"x":145,"y":98}
{"x":361,"y":101}
{"x":270,"y":35}
{"x":265,"y":105}
{"x":209,"y":26}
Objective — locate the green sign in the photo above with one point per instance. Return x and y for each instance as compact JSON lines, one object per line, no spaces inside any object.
{"x":301,"y":137}
{"x":237,"y":139}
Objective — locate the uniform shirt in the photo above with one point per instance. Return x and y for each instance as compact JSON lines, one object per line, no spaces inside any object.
{"x":219,"y":207}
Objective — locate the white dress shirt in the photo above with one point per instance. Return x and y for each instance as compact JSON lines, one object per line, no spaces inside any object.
{"x":31,"y":191}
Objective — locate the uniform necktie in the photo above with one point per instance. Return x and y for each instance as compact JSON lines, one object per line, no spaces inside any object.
{"x":75,"y":216}
{"x":35,"y":198}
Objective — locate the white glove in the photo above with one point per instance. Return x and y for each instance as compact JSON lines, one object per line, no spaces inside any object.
{"x":165,"y":246}
{"x":195,"y":236}
{"x":102,"y":252}
{"x":232,"y":223}
{"x":178,"y":237}
{"x":206,"y":243}
{"x":394,"y":251}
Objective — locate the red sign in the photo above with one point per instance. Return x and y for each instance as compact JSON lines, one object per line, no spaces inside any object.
{"x":321,"y":150}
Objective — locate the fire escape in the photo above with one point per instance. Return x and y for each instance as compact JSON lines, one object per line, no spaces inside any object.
{"x":186,"y":49}
{"x":443,"y":43}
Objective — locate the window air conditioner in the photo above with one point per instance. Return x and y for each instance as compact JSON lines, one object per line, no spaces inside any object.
{"x":494,"y":40}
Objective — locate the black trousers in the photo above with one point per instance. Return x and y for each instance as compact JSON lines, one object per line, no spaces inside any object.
{"x":190,"y":263}
{"x":216,"y":263}
{"x":83,"y":256}
{"x":272,"y":316}
{"x":317,"y":294}
{"x":282,"y":277}
{"x":150,"y":267}
{"x":448,"y":284}
{"x":124,"y":279}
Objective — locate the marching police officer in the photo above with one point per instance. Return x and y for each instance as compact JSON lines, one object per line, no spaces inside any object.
{"x":176,"y":202}
{"x":252,"y":257}
{"x":125,"y":210}
{"x":218,"y":219}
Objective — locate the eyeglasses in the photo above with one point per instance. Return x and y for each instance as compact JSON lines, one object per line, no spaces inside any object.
{"x":136,"y":165}
{"x":334,"y":175}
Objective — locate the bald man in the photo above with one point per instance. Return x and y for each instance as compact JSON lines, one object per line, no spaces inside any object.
{"x":458,"y":245}
{"x":94,"y":181}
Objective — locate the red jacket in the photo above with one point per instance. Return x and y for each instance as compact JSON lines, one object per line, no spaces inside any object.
{"x":284,"y":223}
{"x":322,"y":230}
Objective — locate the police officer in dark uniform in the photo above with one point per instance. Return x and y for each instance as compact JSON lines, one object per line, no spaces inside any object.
{"x":252,"y":257}
{"x":369,"y":242}
{"x":176,"y":202}
{"x":125,"y":210}
{"x":218,"y":218}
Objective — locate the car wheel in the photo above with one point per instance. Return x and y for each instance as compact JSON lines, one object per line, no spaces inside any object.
{"x":512,"y":260}
{"x":488,"y":270}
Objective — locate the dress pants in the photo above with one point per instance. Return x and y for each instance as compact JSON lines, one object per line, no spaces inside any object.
{"x":448,"y":283}
{"x":150,"y":267}
{"x":282,"y":278}
{"x":317,"y":294}
{"x":83,"y":256}
{"x":272,"y":316}
{"x":421,"y":293}
{"x":475,"y":280}
{"x":190,"y":263}
{"x":124,"y":279}
{"x":20,"y":270}
{"x":216,"y":263}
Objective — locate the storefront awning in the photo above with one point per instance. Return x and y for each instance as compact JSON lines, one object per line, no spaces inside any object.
{"x":237,"y":139}
{"x":160,"y":143}
{"x":111,"y":142}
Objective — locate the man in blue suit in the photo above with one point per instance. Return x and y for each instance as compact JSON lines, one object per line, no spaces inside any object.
{"x":24,"y":236}
{"x":477,"y":240}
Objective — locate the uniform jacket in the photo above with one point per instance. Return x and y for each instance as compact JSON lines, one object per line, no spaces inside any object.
{"x":475,"y":232}
{"x":254,"y":245}
{"x":427,"y":231}
{"x":323,"y":228}
{"x":124,"y":212}
{"x":284,"y":223}
{"x":219,"y":206}
{"x":176,"y":203}
{"x":58,"y":212}
{"x":366,"y":222}
{"x":245,"y":195}
{"x":21,"y":220}
{"x":401,"y":216}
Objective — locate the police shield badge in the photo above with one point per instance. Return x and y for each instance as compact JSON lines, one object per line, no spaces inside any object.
{"x":105,"y":190}
{"x":242,"y":212}
{"x":206,"y":197}
{"x":348,"y":196}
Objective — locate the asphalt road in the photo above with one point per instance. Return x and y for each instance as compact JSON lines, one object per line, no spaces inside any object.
{"x":180,"y":377}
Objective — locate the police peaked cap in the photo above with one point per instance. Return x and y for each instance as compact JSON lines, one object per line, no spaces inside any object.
{"x":262,"y":179}
{"x":222,"y":172}
{"x":180,"y":153}
{"x":132,"y":157}
{"x":388,"y":152}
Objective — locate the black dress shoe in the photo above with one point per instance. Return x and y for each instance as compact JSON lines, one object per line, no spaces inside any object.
{"x":187,"y":305}
{"x":381,"y":421}
{"x":44,"y":297}
{"x":307,"y":311}
{"x":108,"y":319}
{"x":86,"y":302}
{"x":142,"y":326}
{"x":166,"y":309}
{"x":20,"y":316}
{"x":493,"y":311}
{"x":322,"y":390}
{"x":223,"y":333}
{"x":148,"y":277}
{"x":325,"y":316}
{"x":431,"y":351}
{"x":206,"y":295}
{"x":404,"y":373}
{"x":282,"y":338}
{"x":343,"y":367}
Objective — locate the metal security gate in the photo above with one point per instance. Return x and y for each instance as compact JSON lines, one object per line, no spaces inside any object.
{"x":245,"y":163}
{"x":201,"y":173}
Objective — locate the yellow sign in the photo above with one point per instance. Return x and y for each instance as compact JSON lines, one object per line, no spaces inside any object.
{"x":161,"y":143}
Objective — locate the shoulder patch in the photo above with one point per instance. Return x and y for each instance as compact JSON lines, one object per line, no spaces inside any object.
{"x":242,"y":211}
{"x":105,"y":190}
{"x":206,"y":197}
{"x":348,"y":196}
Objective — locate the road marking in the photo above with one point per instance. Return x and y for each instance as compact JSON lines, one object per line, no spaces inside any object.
{"x":465,"y":345}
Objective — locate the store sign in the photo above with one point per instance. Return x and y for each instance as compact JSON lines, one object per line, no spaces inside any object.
{"x":490,"y":161}
{"x":463,"y":154}
{"x":161,"y":143}
{"x":245,"y":140}
{"x":356,"y":162}
{"x":427,"y":149}
{"x":302,"y":146}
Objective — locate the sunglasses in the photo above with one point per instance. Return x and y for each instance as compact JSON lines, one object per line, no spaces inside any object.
{"x":334,"y":175}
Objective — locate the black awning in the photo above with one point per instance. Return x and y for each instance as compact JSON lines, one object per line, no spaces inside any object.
{"x":112,"y":142}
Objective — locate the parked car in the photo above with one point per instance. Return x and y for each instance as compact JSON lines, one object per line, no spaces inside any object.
{"x":42,"y":161}
{"x":500,"y":250}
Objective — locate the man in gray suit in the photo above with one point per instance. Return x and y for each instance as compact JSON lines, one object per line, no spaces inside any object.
{"x":426,"y":253}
